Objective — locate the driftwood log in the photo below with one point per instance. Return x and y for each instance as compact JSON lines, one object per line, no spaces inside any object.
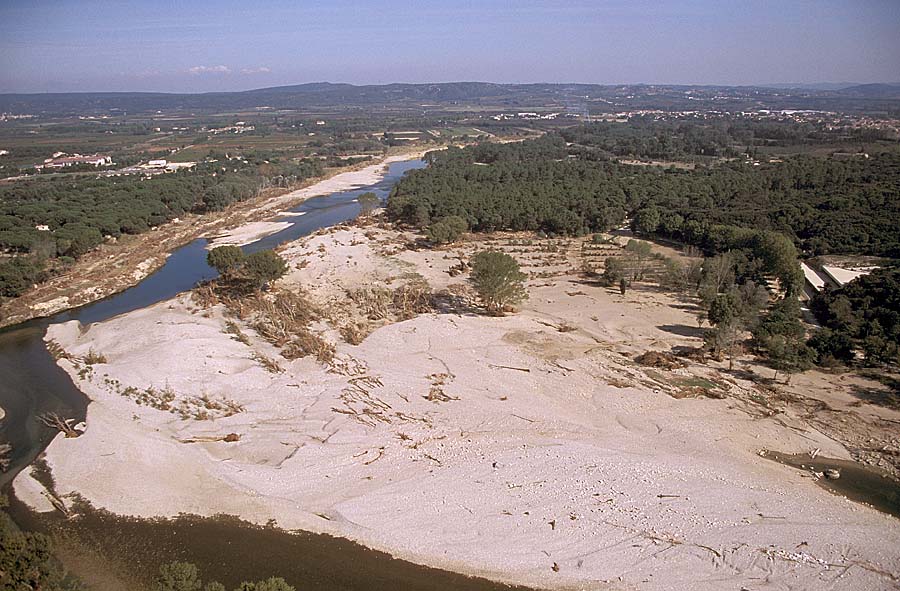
{"x":230,"y":438}
{"x":54,"y":421}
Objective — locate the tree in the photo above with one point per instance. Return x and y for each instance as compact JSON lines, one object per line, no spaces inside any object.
{"x":447,"y":229}
{"x":724,"y":309}
{"x":270,"y":584}
{"x":18,"y":274}
{"x":682,"y":276}
{"x":264,"y":267}
{"x":724,"y":338}
{"x":788,"y":355}
{"x":613,"y":270}
{"x":368,"y":203}
{"x":178,"y":576}
{"x":646,"y":220}
{"x":27,"y":562}
{"x":226,"y":259}
{"x":498,"y":280}
{"x":642,"y":252}
{"x":831,"y":346}
{"x":781,"y":337}
{"x":717,"y":276}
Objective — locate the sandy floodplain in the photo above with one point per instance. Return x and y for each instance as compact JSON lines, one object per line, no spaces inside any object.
{"x":529,"y":448}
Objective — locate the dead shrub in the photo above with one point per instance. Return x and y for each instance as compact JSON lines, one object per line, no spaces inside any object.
{"x":269,"y":364}
{"x":205,"y":295}
{"x":374,"y":302}
{"x":661,"y":359}
{"x":412,"y":298}
{"x":354,"y":334}
{"x":56,"y":350}
{"x":93,"y":358}
{"x":277,"y":319}
{"x":308,"y":343}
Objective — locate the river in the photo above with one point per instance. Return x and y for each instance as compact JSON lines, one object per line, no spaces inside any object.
{"x":32,"y":384}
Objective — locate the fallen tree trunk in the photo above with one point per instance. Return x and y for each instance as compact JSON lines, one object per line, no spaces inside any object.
{"x":54,"y":421}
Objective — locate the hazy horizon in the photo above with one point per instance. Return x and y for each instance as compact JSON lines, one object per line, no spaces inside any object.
{"x":777,"y":85}
{"x":104,"y":46}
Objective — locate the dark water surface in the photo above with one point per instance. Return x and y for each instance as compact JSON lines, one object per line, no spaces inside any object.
{"x":232,"y":551}
{"x":857,"y":482}
{"x":224,"y":548}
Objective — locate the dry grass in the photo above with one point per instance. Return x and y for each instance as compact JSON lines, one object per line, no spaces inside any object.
{"x":355,"y":334}
{"x":267,"y":363}
{"x":309,"y":343}
{"x":236,"y":333}
{"x":56,"y":350}
{"x":200,"y":408}
{"x":374,"y":302}
{"x":412,"y":298}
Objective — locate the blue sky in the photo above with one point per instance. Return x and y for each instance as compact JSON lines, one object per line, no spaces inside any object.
{"x":161,"y":45}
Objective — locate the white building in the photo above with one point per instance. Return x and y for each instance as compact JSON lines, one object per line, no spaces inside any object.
{"x":843,"y":276}
{"x":76,"y":159}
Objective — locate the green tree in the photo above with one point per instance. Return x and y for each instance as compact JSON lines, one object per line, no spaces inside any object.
{"x":788,"y":355}
{"x":724,"y":309}
{"x":446,"y":230}
{"x":498,"y":280}
{"x":226,"y":259}
{"x":368,"y":203}
{"x":27,"y":562}
{"x":646,"y":220}
{"x":270,"y":584}
{"x":781,"y":337}
{"x":641,"y":252}
{"x":264,"y":266}
{"x":178,"y":576}
{"x":831,"y":346}
{"x":18,"y":274}
{"x":717,"y":276}
{"x":613,"y":270}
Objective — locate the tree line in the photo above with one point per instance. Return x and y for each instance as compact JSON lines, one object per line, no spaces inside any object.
{"x":823,"y":205}
{"x":49,"y":222}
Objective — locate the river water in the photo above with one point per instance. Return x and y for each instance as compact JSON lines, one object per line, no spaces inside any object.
{"x":32,"y":384}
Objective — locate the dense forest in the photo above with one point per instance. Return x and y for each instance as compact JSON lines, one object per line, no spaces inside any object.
{"x":823,"y":205}
{"x":79,"y":214}
{"x":865,"y":314}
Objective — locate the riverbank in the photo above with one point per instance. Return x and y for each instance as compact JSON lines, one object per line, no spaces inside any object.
{"x":529,"y":448}
{"x":114,"y":267}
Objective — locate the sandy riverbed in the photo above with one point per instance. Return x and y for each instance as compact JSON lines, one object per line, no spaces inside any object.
{"x":509,"y":447}
{"x":247,"y":233}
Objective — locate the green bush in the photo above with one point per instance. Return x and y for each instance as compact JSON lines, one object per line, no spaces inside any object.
{"x":498,"y":280}
{"x":447,"y":229}
{"x":18,"y":274}
{"x":226,"y":259}
{"x":264,"y":267}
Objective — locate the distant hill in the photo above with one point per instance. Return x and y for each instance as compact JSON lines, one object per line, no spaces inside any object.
{"x":891,"y":91}
{"x":816,"y":86}
{"x":571,"y":97}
